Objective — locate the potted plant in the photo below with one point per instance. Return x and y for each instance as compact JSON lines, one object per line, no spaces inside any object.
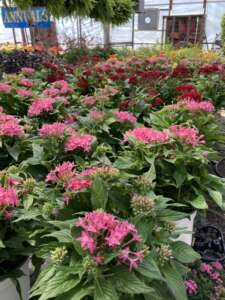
{"x":14,"y":246}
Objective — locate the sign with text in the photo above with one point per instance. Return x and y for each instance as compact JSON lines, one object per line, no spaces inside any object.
{"x":13,"y":17}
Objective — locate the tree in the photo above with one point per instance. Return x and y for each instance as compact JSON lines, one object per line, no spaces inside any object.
{"x":115,"y":12}
{"x":223,"y":32}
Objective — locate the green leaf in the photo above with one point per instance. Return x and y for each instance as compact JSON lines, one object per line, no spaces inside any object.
{"x":175,"y":282}
{"x":149,"y":268}
{"x":67,"y":224}
{"x":180,"y":177}
{"x":99,"y":194}
{"x":14,"y":151}
{"x":151,"y":174}
{"x":2,"y":244}
{"x":217,"y":197}
{"x":127,"y":282}
{"x":28,"y":215}
{"x":78,"y":293}
{"x":28,"y":201}
{"x":63,"y":236}
{"x":104,"y":290}
{"x":38,"y":151}
{"x":59,"y":285}
{"x":44,"y":277}
{"x":184,"y":253}
{"x":124,"y":163}
{"x":199,"y":202}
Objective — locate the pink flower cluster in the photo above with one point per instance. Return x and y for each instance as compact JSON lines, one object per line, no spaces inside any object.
{"x":194,"y":106}
{"x":26,"y":82}
{"x":9,"y":126}
{"x":191,"y":287}
{"x":76,"y":184}
{"x":51,"y":92}
{"x":103,"y":232}
{"x":98,"y":116}
{"x":27,"y":70}
{"x":23,"y":93}
{"x":124,"y":116}
{"x":212,"y":271}
{"x":63,"y":172}
{"x":89,"y":100}
{"x":56,"y":129}
{"x":79,"y":142}
{"x":5,"y":88}
{"x":146,"y":135}
{"x":63,"y":87}
{"x":188,"y":135}
{"x":40,"y":105}
{"x":90,"y":171}
{"x":8,"y":197}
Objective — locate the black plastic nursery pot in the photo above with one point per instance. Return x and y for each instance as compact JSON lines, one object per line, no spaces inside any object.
{"x":220,"y":168}
{"x":209,"y":243}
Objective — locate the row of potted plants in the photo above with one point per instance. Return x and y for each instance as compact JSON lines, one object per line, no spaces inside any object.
{"x":97,"y":165}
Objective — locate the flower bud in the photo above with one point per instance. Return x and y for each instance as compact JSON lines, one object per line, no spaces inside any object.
{"x":142,"y":204}
{"x":164,"y":254}
{"x":47,"y":209}
{"x":58,"y":255}
{"x":12,"y":169}
{"x":29,"y":184}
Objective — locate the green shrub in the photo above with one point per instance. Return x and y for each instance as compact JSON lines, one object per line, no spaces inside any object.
{"x":223,"y":32}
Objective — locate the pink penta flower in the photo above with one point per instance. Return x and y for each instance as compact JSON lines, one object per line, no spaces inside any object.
{"x":188,"y":135}
{"x":27,"y":70}
{"x":87,"y":243}
{"x":9,"y":126}
{"x":52,"y":92}
{"x":98,"y":116}
{"x":9,"y":214}
{"x":8,"y":197}
{"x":89,"y":100}
{"x":99,"y":260}
{"x":103,"y":232}
{"x":119,"y":232}
{"x":191,"y":287}
{"x":124,"y":116}
{"x":64,"y":172}
{"x":97,"y":221}
{"x":77,"y":184}
{"x":56,"y":129}
{"x":131,"y":257}
{"x":79,"y":142}
{"x":194,"y":106}
{"x":23,"y":93}
{"x":215,"y":276}
{"x":5,"y":88}
{"x":60,"y":84}
{"x":40,"y":105}
{"x":146,"y":135}
{"x":206,"y":268}
{"x":26,"y":82}
{"x":217,"y":265}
